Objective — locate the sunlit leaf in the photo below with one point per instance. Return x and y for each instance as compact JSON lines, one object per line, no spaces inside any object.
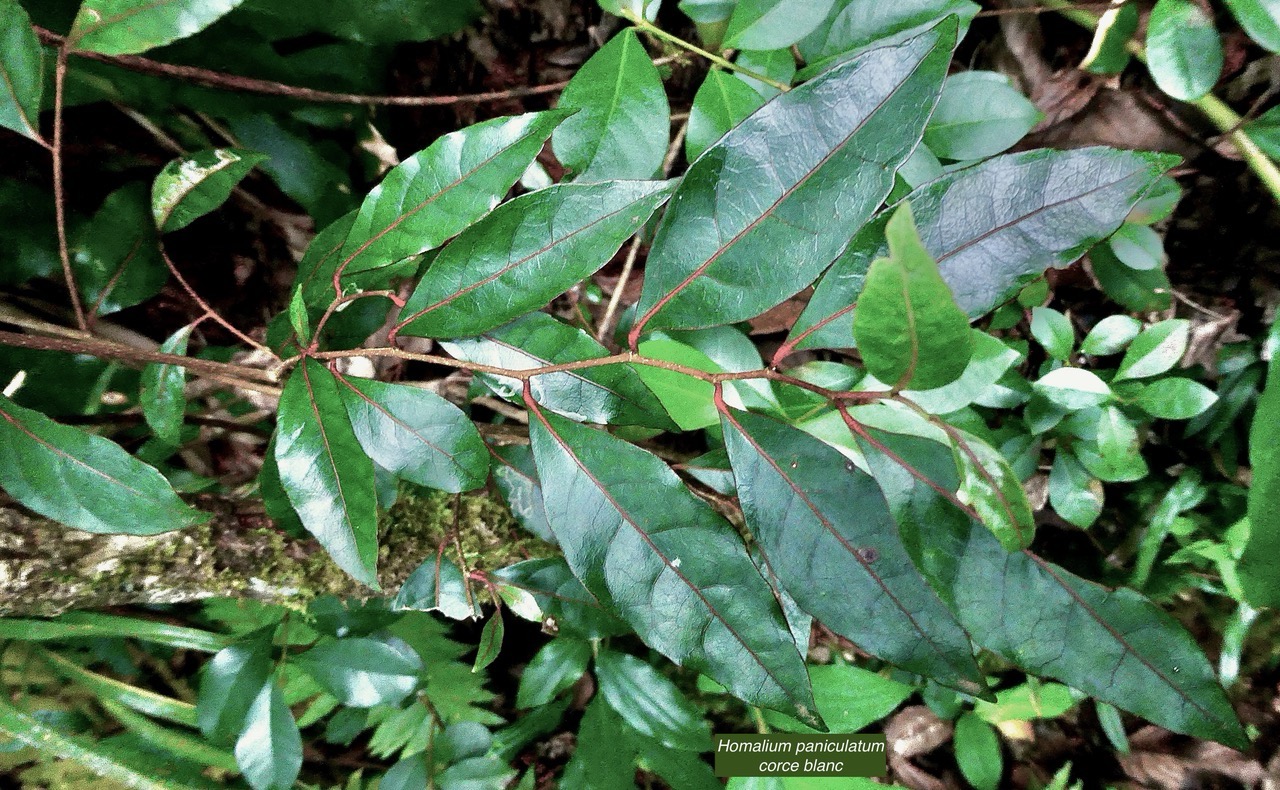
{"x":126,"y":27}
{"x":190,"y":187}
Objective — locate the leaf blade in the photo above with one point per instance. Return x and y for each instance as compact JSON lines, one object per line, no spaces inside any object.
{"x":192,"y":186}
{"x":21,"y":72}
{"x":127,"y":27}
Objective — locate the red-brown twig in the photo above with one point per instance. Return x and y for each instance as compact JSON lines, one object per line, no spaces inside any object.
{"x":59,"y":199}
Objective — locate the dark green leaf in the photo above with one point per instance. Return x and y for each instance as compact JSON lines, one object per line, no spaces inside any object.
{"x":390,"y":22}
{"x":490,"y":641}
{"x":361,"y":672}
{"x":605,"y":755}
{"x":1053,"y":206}
{"x":83,"y":480}
{"x":127,"y":27}
{"x":21,"y":71}
{"x":517,"y":481}
{"x":720,"y":104}
{"x":409,"y":773}
{"x":269,"y":749}
{"x":743,"y":204}
{"x":1265,"y":131}
{"x":979,"y":114}
{"x":116,"y":255}
{"x":614,"y":506}
{"x":190,"y":187}
{"x":827,"y":534}
{"x":1259,"y":566}
{"x":650,"y":703}
{"x":556,"y":667}
{"x":526,"y":253}
{"x":437,"y":585}
{"x":439,"y":191}
{"x":862,"y":23}
{"x":623,"y":121}
{"x":163,"y":399}
{"x":773,"y":24}
{"x":325,"y":473}
{"x":978,"y":752}
{"x":230,"y":684}
{"x":1139,"y":291}
{"x":1184,"y":51}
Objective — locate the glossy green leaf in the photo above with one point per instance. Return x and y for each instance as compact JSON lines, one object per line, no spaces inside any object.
{"x":116,"y":255}
{"x":910,"y":331}
{"x":1138,"y":247}
{"x":415,"y":434}
{"x":163,"y":399}
{"x":978,"y":752}
{"x":1050,"y":207}
{"x":363,"y":672}
{"x":437,"y":585}
{"x":562,"y":598}
{"x":1110,"y":335}
{"x":21,"y":71}
{"x":778,"y":65}
{"x":1175,"y":399}
{"x":1115,"y":453}
{"x":1053,"y":331}
{"x":990,"y":361}
{"x":1260,"y":19}
{"x":1109,"y":52}
{"x":614,"y":506}
{"x":1073,"y":388}
{"x":1139,"y":291}
{"x":1075,"y":494}
{"x":79,"y":625}
{"x":83,"y":480}
{"x":856,"y":24}
{"x":721,"y":103}
{"x":556,"y":667}
{"x":1156,"y":350}
{"x":650,"y":703}
{"x":434,"y":194}
{"x":849,"y":698}
{"x":828,"y":536}
{"x":190,"y":187}
{"x":325,"y":472}
{"x":526,"y":253}
{"x":490,"y":641}
{"x":612,"y":394}
{"x":230,"y":683}
{"x":990,"y":486}
{"x":269,"y":749}
{"x":517,"y":480}
{"x":623,"y":123}
{"x":127,"y":27}
{"x":1259,"y":566}
{"x":773,"y":24}
{"x":742,"y":205}
{"x":1184,"y":51}
{"x":979,"y":114}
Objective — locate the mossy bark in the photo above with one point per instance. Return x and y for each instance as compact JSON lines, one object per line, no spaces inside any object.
{"x":46,"y":568}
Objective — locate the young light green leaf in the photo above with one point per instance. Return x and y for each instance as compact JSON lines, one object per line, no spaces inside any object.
{"x":688,"y":400}
{"x":362,"y":672}
{"x":230,"y":684}
{"x":415,"y":434}
{"x":1053,"y":331}
{"x":1156,"y":350}
{"x":1175,"y":399}
{"x":615,"y":506}
{"x":325,"y":472}
{"x":774,"y":24}
{"x":849,"y":698}
{"x":269,"y":750}
{"x":978,"y":752}
{"x":910,"y":331}
{"x":1184,"y":51}
{"x":1109,"y":52}
{"x":1073,"y":388}
{"x":556,"y":667}
{"x":1110,"y":335}
{"x":21,"y":71}
{"x":437,"y":585}
{"x":741,"y":203}
{"x":651,"y":703}
{"x":623,"y":121}
{"x":437,"y":192}
{"x":1138,"y":247}
{"x":1114,"y":454}
{"x":490,"y":641}
{"x":1054,"y":206}
{"x":127,"y":27}
{"x":83,"y":480}
{"x":720,"y":104}
{"x":526,"y":253}
{"x":163,"y":397}
{"x":1075,"y":494}
{"x":990,"y":361}
{"x":991,"y":487}
{"x":1260,"y":19}
{"x":190,"y":187}
{"x":980,"y":114}
{"x":828,"y":536}
{"x":1259,"y":566}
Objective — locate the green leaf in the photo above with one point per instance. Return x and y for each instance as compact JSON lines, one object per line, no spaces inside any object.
{"x":773,"y":24}
{"x":190,"y":187}
{"x":1073,"y":388}
{"x":604,"y":758}
{"x":1175,"y":399}
{"x":1265,"y":131}
{"x":1156,"y":350}
{"x":394,"y":22}
{"x":1075,"y":494}
{"x":409,"y":773}
{"x":1184,"y":51}
{"x":1110,"y":335}
{"x":127,"y":27}
{"x":325,"y":473}
{"x":111,"y":691}
{"x":1115,"y":454}
{"x":777,"y":64}
{"x":1260,"y":19}
{"x":437,"y":192}
{"x":562,"y":598}
{"x":613,"y":394}
{"x":828,"y":536}
{"x":720,"y":104}
{"x":1053,"y":331}
{"x":909,"y":329}
{"x":163,"y":399}
{"x":991,"y":487}
{"x":650,"y":703}
{"x":978,"y":752}
{"x":526,"y":253}
{"x":490,"y":641}
{"x":1139,"y":291}
{"x":1259,"y":565}
{"x":116,"y":255}
{"x":78,"y":625}
{"x":83,"y":480}
{"x":743,"y":203}
{"x":21,"y":72}
{"x":862,"y":23}
{"x":1026,"y":702}
{"x":623,"y":123}
{"x":517,"y":481}
{"x":269,"y":751}
{"x":689,"y":400}
{"x":1055,"y":205}
{"x":849,"y":698}
{"x":1138,"y":247}
{"x":415,"y":434}
{"x":614,"y":506}
{"x":362,"y":672}
{"x":437,"y":585}
{"x":556,"y":667}
{"x":1158,"y":203}
{"x":230,"y":684}
{"x":991,"y":360}
{"x":1109,"y":52}
{"x":979,"y":114}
